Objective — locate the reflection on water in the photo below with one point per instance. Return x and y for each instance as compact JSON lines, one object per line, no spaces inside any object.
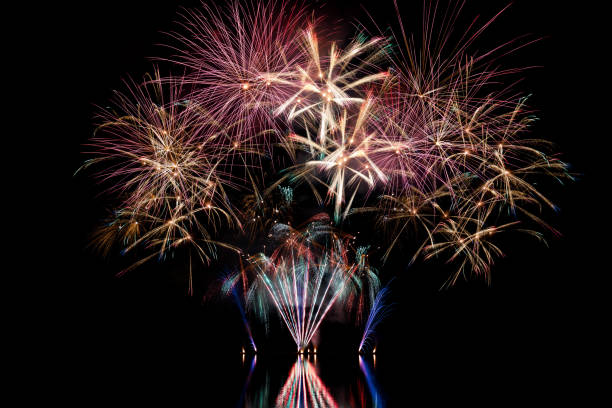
{"x":304,"y":388}
{"x":248,"y":379}
{"x":377,"y":400}
{"x":302,"y":385}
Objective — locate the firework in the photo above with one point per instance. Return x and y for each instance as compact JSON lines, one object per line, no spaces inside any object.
{"x":156,"y":153}
{"x":328,"y":85}
{"x":334,"y":101}
{"x":260,"y":212}
{"x":451,"y":146}
{"x":304,"y":288}
{"x":342,"y":160}
{"x":230,"y":287}
{"x":308,"y":273}
{"x":241,"y":60}
{"x":167,"y":169}
{"x":378,"y":311}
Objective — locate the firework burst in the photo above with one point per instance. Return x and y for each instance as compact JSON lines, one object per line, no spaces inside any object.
{"x":241,"y":62}
{"x":328,"y":85}
{"x":168,"y":170}
{"x":452,"y":146}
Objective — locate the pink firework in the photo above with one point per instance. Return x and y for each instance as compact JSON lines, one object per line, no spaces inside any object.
{"x":242,"y":60}
{"x":444,"y":116}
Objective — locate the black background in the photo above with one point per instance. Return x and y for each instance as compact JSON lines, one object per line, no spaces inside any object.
{"x":530,"y":330}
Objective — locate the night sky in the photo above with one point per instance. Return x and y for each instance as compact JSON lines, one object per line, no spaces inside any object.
{"x":143,"y":325}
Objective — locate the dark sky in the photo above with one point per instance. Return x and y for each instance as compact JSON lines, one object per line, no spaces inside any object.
{"x":535,"y":307}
